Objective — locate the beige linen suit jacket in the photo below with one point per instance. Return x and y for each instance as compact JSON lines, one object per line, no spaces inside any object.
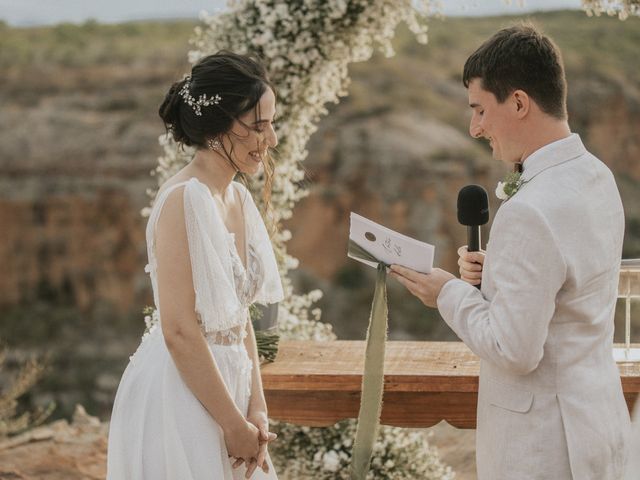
{"x":633,"y":464}
{"x":550,"y":404}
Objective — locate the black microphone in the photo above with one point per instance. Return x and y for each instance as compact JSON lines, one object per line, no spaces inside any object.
{"x":473,"y":211}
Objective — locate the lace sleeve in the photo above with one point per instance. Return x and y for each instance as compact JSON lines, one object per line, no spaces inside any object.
{"x":216,"y":300}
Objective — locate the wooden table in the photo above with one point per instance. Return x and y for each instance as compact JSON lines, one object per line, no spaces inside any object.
{"x":318,"y":383}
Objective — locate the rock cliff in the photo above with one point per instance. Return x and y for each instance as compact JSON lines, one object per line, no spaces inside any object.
{"x":78,"y":138}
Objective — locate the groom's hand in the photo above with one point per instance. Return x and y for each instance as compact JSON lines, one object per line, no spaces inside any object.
{"x":471,"y":265}
{"x":424,"y":286}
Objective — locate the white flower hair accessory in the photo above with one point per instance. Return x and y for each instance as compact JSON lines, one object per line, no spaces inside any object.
{"x":202,"y":101}
{"x":511,"y":184}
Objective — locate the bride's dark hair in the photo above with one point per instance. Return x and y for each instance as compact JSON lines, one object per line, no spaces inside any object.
{"x":239,"y":80}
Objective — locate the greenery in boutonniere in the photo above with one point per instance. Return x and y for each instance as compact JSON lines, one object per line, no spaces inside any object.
{"x":511,"y":184}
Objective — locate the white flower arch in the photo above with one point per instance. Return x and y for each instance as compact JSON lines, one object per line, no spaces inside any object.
{"x":307,"y":46}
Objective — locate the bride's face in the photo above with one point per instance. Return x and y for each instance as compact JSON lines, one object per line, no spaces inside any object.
{"x":252,"y":135}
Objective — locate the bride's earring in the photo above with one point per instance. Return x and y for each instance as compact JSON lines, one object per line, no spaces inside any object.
{"x":214,"y":143}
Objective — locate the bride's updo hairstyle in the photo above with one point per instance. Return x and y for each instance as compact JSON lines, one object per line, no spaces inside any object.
{"x":239,"y":81}
{"x":232,"y":85}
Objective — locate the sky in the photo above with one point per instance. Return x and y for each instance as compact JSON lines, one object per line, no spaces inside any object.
{"x":50,"y":12}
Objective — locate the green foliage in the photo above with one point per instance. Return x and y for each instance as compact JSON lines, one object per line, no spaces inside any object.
{"x":91,"y":43}
{"x":10,"y":421}
{"x":267,"y":343}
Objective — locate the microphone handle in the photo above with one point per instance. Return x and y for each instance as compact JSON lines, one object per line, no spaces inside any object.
{"x":473,"y":238}
{"x":473,"y":243}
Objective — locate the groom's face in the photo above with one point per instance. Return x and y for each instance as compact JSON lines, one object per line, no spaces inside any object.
{"x":493,"y":121}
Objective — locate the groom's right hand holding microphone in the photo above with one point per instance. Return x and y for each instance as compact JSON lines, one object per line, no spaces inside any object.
{"x":473,"y":212}
{"x":471,"y":264}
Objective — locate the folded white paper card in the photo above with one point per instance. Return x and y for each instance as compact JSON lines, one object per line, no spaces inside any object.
{"x":390,"y":246}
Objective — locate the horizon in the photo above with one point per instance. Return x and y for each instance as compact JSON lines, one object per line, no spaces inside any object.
{"x":31,"y":13}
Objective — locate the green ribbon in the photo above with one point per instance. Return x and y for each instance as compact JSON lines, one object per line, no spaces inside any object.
{"x":373,"y":377}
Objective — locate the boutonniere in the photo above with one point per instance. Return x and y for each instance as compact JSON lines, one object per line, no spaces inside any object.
{"x":511,"y":184}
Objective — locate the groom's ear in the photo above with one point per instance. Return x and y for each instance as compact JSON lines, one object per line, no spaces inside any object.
{"x":521,"y":103}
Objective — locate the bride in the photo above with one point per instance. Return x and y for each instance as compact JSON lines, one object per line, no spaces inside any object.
{"x":190,"y":404}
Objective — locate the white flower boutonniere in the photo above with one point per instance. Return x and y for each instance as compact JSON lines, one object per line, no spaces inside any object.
{"x":511,"y":184}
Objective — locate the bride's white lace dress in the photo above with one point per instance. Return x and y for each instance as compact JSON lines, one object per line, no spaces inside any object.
{"x":159,"y":430}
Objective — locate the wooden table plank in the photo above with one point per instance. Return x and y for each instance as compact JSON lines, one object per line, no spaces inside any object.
{"x":318,"y":383}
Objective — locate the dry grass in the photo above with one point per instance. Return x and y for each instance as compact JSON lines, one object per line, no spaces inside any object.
{"x":12,"y":422}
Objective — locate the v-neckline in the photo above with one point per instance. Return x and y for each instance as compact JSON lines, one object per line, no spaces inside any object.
{"x":224,"y":225}
{"x":233,"y":235}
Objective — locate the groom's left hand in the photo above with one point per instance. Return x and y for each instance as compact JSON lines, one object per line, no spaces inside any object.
{"x":424,"y":286}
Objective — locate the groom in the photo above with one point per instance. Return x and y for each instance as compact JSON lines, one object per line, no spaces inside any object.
{"x":550,"y":403}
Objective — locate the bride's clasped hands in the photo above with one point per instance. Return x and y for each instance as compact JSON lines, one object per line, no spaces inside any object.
{"x":247,"y":441}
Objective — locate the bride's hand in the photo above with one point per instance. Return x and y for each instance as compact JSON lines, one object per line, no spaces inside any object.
{"x":259,"y":418}
{"x":242,"y":441}
{"x":254,"y":463}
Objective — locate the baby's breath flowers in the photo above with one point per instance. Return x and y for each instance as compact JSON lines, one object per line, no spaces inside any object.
{"x":622,"y":8}
{"x":325,"y":453}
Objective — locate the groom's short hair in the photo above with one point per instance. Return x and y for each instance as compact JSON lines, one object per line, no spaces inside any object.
{"x":521,"y":58}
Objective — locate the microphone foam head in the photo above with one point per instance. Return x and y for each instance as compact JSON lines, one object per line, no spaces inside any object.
{"x":473,"y":205}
